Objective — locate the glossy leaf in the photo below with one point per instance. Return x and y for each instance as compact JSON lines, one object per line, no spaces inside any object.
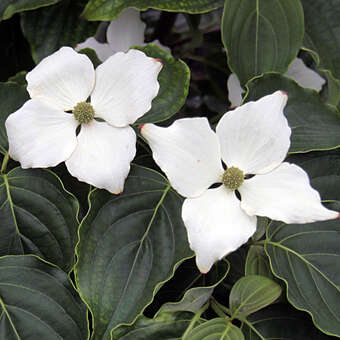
{"x":261,"y":35}
{"x":166,"y":326}
{"x":257,"y":262}
{"x":37,"y":301}
{"x":196,"y":297}
{"x":215,"y":329}
{"x":37,"y":216}
{"x":129,"y":245}
{"x":322,"y":33}
{"x":280,"y":322}
{"x":50,"y":28}
{"x":306,"y":257}
{"x":110,"y":9}
{"x":252,"y":293}
{"x":12,"y":97}
{"x":10,"y":7}
{"x":174,"y":80}
{"x":315,"y":125}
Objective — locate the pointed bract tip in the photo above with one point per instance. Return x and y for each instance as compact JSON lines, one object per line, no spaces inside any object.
{"x":338,"y":215}
{"x":284,"y":93}
{"x":141,"y":127}
{"x":157,"y":60}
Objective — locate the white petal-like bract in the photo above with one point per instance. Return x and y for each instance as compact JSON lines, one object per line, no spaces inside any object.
{"x":103,"y":155}
{"x":188,"y":152}
{"x":216,"y":225}
{"x":126,"y":84}
{"x":62,"y":79}
{"x":255,"y":137}
{"x":125,"y":31}
{"x":234,"y":90}
{"x":40,"y":136}
{"x":284,"y":194}
{"x":103,"y":50}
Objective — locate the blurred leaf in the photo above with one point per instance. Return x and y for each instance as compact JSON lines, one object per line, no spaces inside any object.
{"x":174,"y":81}
{"x":110,"y":9}
{"x":12,"y":97}
{"x":261,"y":35}
{"x":10,"y":7}
{"x":129,"y":245}
{"x":306,"y":257}
{"x":215,"y":329}
{"x":196,"y":297}
{"x":252,"y":293}
{"x":280,"y":322}
{"x":50,"y":28}
{"x":37,"y":301}
{"x":37,"y":216}
{"x":166,"y":326}
{"x":315,"y":125}
{"x":257,"y":262}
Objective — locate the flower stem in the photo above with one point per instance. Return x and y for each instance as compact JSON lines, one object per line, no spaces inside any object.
{"x":194,"y":320}
{"x":219,"y":309}
{"x":4,"y":162}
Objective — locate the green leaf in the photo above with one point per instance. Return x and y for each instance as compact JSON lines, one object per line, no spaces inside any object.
{"x":306,"y":257}
{"x":262,"y":223}
{"x":37,"y":216}
{"x":37,"y":301}
{"x":110,"y":9}
{"x":12,"y":97}
{"x":252,"y":293}
{"x":129,"y":245}
{"x":196,"y":297}
{"x":322,"y":33}
{"x":166,"y":326}
{"x":315,"y":125}
{"x":10,"y":7}
{"x":280,"y":322}
{"x":174,"y":80}
{"x":50,"y":28}
{"x":261,"y":35}
{"x":215,"y":329}
{"x":257,"y":262}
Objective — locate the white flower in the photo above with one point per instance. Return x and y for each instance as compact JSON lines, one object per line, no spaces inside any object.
{"x":125,"y":31}
{"x":251,"y":140}
{"x":297,"y":70}
{"x":42,"y":134}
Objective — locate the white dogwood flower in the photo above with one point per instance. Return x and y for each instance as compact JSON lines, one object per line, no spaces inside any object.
{"x":251,"y":140}
{"x":297,"y":70}
{"x":42,"y":133}
{"x":123,"y":32}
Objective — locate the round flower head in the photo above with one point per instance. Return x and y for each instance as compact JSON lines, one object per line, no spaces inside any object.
{"x":42,"y":133}
{"x":123,"y":32}
{"x":251,"y":140}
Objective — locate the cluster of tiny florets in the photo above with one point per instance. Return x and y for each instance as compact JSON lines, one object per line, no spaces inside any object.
{"x":83,"y":112}
{"x":233,"y":178}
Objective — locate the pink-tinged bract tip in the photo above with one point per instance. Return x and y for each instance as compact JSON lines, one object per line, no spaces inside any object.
{"x":284,"y":93}
{"x":141,"y":127}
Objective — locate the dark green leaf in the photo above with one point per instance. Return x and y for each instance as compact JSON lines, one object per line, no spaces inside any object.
{"x":262,"y":223}
{"x":129,"y":245}
{"x":12,"y":97}
{"x":215,"y":329}
{"x":50,"y":28}
{"x":315,"y":125}
{"x":322,"y":36}
{"x":10,"y":7}
{"x":252,"y":293}
{"x":280,"y":322}
{"x":110,"y":9}
{"x":174,"y":81}
{"x":261,"y":35}
{"x":166,"y":326}
{"x":37,"y":301}
{"x":306,"y":257}
{"x":37,"y":216}
{"x":257,"y":262}
{"x":196,"y":297}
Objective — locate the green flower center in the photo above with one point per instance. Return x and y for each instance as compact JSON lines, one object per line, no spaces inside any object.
{"x":83,"y":112}
{"x":233,"y":178}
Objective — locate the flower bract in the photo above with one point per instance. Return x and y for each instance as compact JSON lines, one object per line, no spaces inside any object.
{"x":42,"y":133}
{"x":251,"y":140}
